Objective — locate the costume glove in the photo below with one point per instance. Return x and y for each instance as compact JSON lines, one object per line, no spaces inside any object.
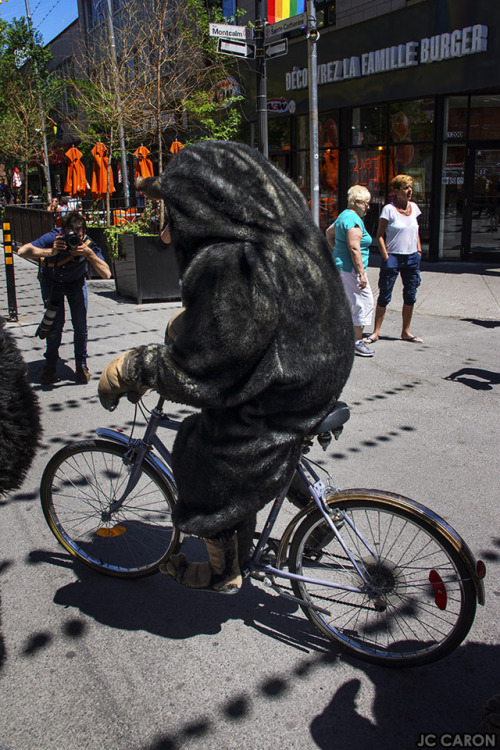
{"x":116,"y":379}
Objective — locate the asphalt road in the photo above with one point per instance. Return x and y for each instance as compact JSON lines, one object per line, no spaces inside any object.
{"x":94,"y":663}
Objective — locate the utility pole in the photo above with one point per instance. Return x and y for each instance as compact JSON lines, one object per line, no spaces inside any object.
{"x":312,"y":39}
{"x":119,"y":106}
{"x":46,"y":169}
{"x":260,"y":19}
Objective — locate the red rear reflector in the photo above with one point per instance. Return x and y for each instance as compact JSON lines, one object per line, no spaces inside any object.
{"x":480,"y":569}
{"x":438,"y":588}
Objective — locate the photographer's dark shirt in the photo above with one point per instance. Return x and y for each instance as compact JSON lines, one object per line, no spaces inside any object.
{"x":54,"y":270}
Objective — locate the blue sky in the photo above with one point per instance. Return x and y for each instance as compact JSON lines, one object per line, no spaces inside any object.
{"x":49,"y":17}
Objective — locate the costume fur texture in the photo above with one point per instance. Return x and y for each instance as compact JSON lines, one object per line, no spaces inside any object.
{"x":20,"y":427}
{"x":267,"y":344}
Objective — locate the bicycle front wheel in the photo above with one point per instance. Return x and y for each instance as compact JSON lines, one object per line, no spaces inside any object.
{"x":79,"y":485}
{"x":417,"y":602}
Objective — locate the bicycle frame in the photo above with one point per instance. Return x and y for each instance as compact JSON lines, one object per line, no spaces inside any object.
{"x":140,"y":450}
{"x":319,"y":501}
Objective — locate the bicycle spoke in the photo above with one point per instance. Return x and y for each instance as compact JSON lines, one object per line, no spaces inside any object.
{"x":79,"y":486}
{"x":395,"y":615}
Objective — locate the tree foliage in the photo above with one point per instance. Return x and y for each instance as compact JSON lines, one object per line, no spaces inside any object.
{"x":23,"y":86}
{"x":165,"y":72}
{"x":159,"y":79}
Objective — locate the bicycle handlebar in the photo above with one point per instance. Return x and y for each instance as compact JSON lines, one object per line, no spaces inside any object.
{"x":132,"y":396}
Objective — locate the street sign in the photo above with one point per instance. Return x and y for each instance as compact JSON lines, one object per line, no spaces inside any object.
{"x":287,"y":24}
{"x":236,"y":48}
{"x":276,"y":49}
{"x":227,"y":31}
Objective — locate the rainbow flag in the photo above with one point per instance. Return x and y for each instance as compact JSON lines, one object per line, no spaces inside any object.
{"x":279,"y":9}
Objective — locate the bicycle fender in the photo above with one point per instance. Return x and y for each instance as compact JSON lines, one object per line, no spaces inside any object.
{"x":152,"y":460}
{"x":404,"y":503}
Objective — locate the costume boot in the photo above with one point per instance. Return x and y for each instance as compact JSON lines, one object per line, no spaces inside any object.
{"x":220,"y":573}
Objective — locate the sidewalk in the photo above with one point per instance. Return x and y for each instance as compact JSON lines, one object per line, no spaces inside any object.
{"x":449,"y":290}
{"x":452,"y":290}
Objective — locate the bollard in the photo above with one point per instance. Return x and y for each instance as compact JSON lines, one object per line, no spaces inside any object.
{"x":9,"y":272}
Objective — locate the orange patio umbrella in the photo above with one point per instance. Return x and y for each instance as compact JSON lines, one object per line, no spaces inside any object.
{"x":100,"y":172}
{"x":76,"y":181}
{"x":176,"y":147}
{"x":144,"y":166}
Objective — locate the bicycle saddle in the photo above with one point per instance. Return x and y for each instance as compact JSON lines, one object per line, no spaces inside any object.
{"x":334,"y":420}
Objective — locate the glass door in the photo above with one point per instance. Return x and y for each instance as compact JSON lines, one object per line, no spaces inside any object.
{"x":481,"y":233}
{"x":452,"y":202}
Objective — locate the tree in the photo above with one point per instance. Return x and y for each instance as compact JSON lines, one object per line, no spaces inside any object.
{"x":166,"y":69}
{"x":181,"y":70}
{"x":96,"y":112}
{"x":23,"y":85}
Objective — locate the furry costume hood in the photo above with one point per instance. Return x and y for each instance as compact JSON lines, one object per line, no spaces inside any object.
{"x":225,"y":192}
{"x":267,"y":343}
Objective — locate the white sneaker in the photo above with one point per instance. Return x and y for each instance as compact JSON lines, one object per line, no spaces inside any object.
{"x":362,"y":350}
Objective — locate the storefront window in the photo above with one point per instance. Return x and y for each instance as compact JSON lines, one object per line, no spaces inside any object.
{"x":328,"y":130}
{"x":419,"y":166}
{"x":328,"y":168}
{"x":367,"y":167}
{"x":484,"y":117}
{"x":279,"y":134}
{"x":328,"y":164}
{"x":411,"y":121}
{"x":455,"y":118}
{"x":374,"y":168}
{"x":369,"y":125}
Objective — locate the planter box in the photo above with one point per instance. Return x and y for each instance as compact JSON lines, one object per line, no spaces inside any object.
{"x":148,"y":272}
{"x":97,"y":234}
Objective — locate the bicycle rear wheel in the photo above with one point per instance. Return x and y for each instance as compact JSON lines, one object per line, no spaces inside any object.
{"x":420,"y":601}
{"x":80,"y":483}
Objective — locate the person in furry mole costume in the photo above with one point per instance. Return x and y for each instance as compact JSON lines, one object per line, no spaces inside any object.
{"x":265,"y":347}
{"x":20,"y":426}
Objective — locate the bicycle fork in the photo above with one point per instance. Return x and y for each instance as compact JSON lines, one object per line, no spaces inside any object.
{"x":318,"y":495}
{"x":135,"y":455}
{"x":133,"y":479}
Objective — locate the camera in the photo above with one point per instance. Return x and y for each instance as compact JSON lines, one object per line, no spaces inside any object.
{"x":43,"y":329}
{"x":72,"y":239}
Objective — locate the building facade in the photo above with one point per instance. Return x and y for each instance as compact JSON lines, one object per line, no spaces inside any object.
{"x":403,"y":87}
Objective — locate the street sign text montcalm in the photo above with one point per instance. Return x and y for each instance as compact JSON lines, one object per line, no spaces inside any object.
{"x":227,"y":31}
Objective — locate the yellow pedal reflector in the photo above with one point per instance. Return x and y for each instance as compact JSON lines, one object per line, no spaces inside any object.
{"x":115,"y":531}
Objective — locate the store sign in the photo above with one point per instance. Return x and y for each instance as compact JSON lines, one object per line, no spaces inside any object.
{"x":280,"y":105}
{"x":450,"y":45}
{"x":222,"y":93}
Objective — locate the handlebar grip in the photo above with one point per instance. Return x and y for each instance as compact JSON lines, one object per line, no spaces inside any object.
{"x":132,"y":396}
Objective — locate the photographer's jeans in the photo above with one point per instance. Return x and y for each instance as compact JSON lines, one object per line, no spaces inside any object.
{"x":76,"y":294}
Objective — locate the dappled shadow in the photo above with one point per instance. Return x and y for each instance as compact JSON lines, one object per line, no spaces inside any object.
{"x":447,"y":696}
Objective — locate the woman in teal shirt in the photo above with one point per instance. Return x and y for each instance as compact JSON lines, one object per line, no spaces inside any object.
{"x":350,"y":243}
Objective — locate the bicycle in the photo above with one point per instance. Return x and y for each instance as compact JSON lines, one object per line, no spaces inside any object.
{"x":376,"y":573}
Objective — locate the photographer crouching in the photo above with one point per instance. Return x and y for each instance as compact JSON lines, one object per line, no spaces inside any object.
{"x":63,"y":255}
